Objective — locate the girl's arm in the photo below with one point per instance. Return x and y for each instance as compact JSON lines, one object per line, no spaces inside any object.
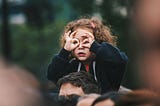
{"x":59,"y":66}
{"x":107,"y":52}
{"x":60,"y":63}
{"x":114,"y":64}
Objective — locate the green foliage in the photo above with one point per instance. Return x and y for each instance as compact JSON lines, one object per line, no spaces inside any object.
{"x":111,"y":13}
{"x":35,"y":43}
{"x":34,"y":48}
{"x":82,"y":7}
{"x":38,"y":13}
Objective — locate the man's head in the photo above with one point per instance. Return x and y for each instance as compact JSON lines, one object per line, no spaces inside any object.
{"x":79,"y":83}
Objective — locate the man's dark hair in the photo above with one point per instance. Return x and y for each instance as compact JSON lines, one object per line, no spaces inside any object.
{"x":81,"y":79}
{"x":114,"y":96}
{"x":70,"y":100}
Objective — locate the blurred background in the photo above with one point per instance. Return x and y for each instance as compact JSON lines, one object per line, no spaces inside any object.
{"x":30,"y":32}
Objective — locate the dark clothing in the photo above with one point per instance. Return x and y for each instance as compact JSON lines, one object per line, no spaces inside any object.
{"x":109,"y":67}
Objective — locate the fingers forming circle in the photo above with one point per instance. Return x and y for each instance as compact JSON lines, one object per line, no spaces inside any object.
{"x":75,"y":41}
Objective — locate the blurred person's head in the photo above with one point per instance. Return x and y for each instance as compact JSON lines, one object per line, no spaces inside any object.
{"x":146,"y":18}
{"x":79,"y":83}
{"x":18,"y":87}
{"x":107,"y":99}
{"x":146,"y":25}
{"x":149,"y":69}
{"x":139,"y":98}
{"x":87,"y":99}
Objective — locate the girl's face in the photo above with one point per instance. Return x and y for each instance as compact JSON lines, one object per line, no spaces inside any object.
{"x":82,"y":52}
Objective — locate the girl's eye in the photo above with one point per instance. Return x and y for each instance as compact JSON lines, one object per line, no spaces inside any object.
{"x":75,"y":42}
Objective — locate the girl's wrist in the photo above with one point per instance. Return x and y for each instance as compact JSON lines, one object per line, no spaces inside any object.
{"x":64,"y":53}
{"x":67,"y":48}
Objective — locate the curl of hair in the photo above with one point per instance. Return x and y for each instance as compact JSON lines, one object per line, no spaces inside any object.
{"x":101,"y":32}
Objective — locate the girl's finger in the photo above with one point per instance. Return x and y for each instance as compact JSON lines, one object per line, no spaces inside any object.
{"x":85,"y":41}
{"x":73,"y":34}
{"x":67,"y":34}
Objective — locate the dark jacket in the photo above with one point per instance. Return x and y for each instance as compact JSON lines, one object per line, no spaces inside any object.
{"x":108,"y":67}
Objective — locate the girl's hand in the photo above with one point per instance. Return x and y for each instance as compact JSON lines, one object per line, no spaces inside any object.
{"x":71,"y":43}
{"x":87,"y":42}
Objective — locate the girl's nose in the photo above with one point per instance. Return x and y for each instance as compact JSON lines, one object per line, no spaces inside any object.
{"x":80,"y":45}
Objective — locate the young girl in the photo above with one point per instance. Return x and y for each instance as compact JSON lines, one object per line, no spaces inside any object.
{"x":88,"y":45}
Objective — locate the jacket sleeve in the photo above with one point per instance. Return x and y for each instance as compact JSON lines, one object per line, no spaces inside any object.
{"x":114,"y":62}
{"x":58,"y":66}
{"x":107,"y":52}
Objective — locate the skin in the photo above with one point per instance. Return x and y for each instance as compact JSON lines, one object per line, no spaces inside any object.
{"x":86,"y":102}
{"x":79,"y":42}
{"x":107,"y":102}
{"x":18,"y":87}
{"x":68,"y":89}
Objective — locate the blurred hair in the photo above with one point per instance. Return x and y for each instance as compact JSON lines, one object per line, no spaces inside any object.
{"x":138,"y":98}
{"x":114,"y":96}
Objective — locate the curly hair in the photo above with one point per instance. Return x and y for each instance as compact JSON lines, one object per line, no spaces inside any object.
{"x":101,"y":32}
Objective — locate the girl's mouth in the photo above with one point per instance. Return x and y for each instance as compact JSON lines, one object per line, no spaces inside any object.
{"x":81,"y":54}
